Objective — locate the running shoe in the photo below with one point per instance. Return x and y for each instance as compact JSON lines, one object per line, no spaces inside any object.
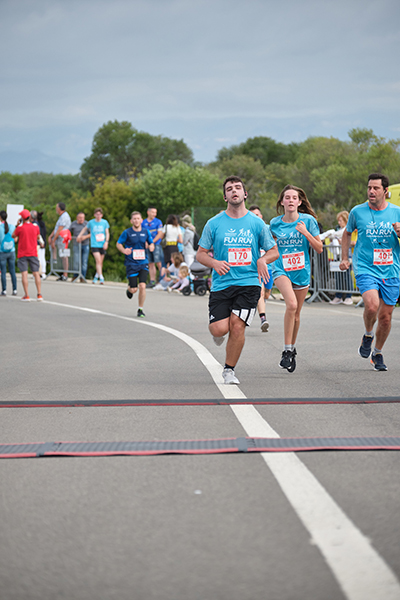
{"x":62,"y":278}
{"x":264,"y":324}
{"x":95,"y":279}
{"x":39,"y":298}
{"x":129,"y":294}
{"x":348,"y":301}
{"x":229,"y":376}
{"x":336,"y":301}
{"x":25,"y":299}
{"x":140,"y":313}
{"x":288,"y":360}
{"x":365,"y":348}
{"x":377,"y":362}
{"x":101,"y":280}
{"x":218,"y":341}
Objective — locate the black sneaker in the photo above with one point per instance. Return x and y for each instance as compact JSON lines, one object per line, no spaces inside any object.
{"x":288,"y":360}
{"x":62,"y":278}
{"x":365,"y":348}
{"x":293,"y":361}
{"x":129,"y":294}
{"x":140,"y":313}
{"x":377,"y":362}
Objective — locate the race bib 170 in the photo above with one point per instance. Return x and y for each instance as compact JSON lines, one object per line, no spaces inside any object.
{"x":294,"y":261}
{"x":239,"y":257}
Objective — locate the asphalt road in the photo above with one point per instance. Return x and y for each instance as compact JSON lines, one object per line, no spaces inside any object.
{"x":284,"y":526}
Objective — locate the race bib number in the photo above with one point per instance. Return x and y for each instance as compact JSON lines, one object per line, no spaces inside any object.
{"x":100,"y":237}
{"x":383,"y":257}
{"x":138,"y":254}
{"x":293,"y":262}
{"x":239,"y":257}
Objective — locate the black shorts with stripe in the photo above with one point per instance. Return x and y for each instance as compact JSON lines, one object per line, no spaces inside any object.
{"x":237,"y":299}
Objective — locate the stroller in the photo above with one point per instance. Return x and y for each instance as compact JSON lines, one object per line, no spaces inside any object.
{"x":200,"y":280}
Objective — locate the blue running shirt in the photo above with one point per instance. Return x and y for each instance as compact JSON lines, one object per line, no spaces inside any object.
{"x":238,"y":242}
{"x":97,"y":232}
{"x":293,"y":246}
{"x":136,"y":240}
{"x":377,"y":248}
{"x":153,"y":226}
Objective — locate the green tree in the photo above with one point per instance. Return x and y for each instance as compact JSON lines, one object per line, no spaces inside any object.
{"x":263,"y":149}
{"x":122,"y":151}
{"x":178,"y":188}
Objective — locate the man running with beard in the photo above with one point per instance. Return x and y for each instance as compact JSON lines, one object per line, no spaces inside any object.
{"x":376,"y":264}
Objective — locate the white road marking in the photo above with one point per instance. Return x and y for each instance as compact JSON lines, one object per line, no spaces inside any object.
{"x":358,"y":568}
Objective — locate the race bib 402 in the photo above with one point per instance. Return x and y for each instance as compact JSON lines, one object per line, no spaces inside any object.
{"x":294,"y":261}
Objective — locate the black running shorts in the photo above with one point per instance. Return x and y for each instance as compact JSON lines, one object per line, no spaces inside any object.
{"x":143,"y":273}
{"x":237,"y":299}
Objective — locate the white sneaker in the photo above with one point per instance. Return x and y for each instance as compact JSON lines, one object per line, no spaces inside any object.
{"x":158,"y":287}
{"x":218,"y":341}
{"x":336,"y":301}
{"x":348,"y":301}
{"x":229,"y":376}
{"x":169,"y":290}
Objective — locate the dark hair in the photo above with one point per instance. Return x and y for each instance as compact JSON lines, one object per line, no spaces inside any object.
{"x":98,"y":209}
{"x":234,"y":179}
{"x":254,"y":207}
{"x":3,"y":215}
{"x":172,"y":220}
{"x":384,"y":179}
{"x":61,"y":205}
{"x":305,"y":206}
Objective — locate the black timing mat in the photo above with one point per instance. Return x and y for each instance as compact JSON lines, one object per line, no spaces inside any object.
{"x":218,"y":446}
{"x":183,"y":402}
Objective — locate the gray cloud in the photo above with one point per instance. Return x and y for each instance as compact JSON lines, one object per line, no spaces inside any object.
{"x":69,"y":66}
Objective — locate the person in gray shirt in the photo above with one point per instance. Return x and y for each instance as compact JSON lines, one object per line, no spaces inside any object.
{"x":79,"y":247}
{"x":63,"y":222}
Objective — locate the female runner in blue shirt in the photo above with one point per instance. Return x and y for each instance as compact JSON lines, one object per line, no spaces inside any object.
{"x":291,"y":271}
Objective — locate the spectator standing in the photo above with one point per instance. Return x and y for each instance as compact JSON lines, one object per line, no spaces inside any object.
{"x":133,"y":243}
{"x":342,"y":278}
{"x":55,"y":239}
{"x":173,"y":235}
{"x":27,"y":234}
{"x":7,"y":254}
{"x":189,"y":252}
{"x":99,"y":233}
{"x":155,"y":258}
{"x":42,"y":250}
{"x":80,"y":247}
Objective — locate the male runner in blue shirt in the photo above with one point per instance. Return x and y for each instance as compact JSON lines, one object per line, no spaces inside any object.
{"x":133,"y":243}
{"x":235,"y":237}
{"x":376,"y":263}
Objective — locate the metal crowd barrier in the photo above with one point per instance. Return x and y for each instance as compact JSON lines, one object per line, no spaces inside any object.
{"x":66,"y":258}
{"x":326,"y":277}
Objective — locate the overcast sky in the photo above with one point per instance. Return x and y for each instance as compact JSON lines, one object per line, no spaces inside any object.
{"x":213,"y":72}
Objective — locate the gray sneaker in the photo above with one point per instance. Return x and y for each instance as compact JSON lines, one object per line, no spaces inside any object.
{"x":229,"y":376}
{"x":264,"y":325}
{"x":365,"y":348}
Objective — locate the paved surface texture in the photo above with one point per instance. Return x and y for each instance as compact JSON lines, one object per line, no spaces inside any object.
{"x":317,"y":524}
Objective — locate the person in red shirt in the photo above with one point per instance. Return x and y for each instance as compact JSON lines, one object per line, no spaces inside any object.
{"x":28,"y":236}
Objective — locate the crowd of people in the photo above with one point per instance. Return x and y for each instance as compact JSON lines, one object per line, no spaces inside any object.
{"x":246,"y":257}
